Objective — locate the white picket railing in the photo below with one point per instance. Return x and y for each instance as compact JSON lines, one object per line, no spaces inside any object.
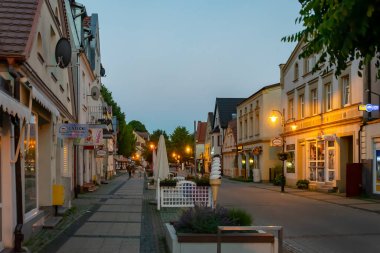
{"x":185,"y":194}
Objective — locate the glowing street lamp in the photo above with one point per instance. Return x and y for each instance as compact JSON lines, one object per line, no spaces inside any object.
{"x":283,"y":155}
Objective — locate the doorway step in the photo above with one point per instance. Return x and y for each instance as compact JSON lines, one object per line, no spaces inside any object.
{"x":324,"y":187}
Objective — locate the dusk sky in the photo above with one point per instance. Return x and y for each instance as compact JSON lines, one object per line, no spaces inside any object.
{"x":167,"y":60}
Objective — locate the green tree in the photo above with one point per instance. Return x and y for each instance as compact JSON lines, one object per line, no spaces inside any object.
{"x":179,"y":140}
{"x":126,"y":141}
{"x":137,"y":126}
{"x":339,"y":31}
{"x":155,"y":136}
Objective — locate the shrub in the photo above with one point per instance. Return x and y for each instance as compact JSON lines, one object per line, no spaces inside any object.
{"x":168,"y":182}
{"x":278,"y":179}
{"x":302,"y":184}
{"x":204,"y":220}
{"x":240,"y":217}
{"x":203,"y":181}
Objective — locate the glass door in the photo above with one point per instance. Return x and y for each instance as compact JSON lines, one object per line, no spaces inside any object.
{"x":317,"y":161}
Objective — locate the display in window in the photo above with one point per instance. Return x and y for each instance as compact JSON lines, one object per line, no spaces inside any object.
{"x":321,"y":150}
{"x":378,"y":164}
{"x":331,"y":175}
{"x":290,"y":163}
{"x":313,"y":151}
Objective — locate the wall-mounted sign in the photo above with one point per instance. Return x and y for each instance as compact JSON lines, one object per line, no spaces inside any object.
{"x":330,"y":137}
{"x":73,"y":131}
{"x":94,"y":137}
{"x":368,"y":107}
{"x":291,"y":147}
{"x":276,"y":142}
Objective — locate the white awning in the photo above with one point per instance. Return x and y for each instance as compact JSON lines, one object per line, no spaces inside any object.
{"x":13,"y":107}
{"x":44,"y":102}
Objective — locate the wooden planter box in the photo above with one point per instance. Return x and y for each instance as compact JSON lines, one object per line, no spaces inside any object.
{"x":231,"y":242}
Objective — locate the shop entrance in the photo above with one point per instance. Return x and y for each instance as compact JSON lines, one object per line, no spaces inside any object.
{"x":346,"y":156}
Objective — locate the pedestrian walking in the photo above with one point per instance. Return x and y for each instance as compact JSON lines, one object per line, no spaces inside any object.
{"x":130,"y":173}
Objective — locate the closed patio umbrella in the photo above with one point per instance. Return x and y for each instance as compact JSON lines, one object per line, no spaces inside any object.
{"x":162,"y":164}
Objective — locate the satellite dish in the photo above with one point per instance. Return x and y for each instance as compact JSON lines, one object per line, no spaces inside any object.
{"x":95,"y":93}
{"x":63,"y":53}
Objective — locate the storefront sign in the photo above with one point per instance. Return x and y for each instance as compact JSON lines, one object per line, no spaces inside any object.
{"x":276,"y":142}
{"x":101,"y":153}
{"x":73,"y":131}
{"x":368,"y":107}
{"x":331,"y":137}
{"x":94,"y":137}
{"x":291,"y":147}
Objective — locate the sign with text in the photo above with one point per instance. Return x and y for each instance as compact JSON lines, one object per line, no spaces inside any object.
{"x":73,"y":131}
{"x":276,"y":142}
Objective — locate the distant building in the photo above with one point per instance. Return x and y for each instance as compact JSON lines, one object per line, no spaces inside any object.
{"x":207,"y":152}
{"x":200,"y":145}
{"x":224,"y":110}
{"x":230,"y":150}
{"x":255,"y":131}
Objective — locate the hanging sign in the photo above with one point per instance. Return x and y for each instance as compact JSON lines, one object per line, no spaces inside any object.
{"x":276,"y":142}
{"x":94,"y":137}
{"x":73,"y":131}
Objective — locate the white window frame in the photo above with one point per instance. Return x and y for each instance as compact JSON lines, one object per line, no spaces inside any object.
{"x":346,"y":89}
{"x":314,"y":101}
{"x":302,"y":105}
{"x":328,"y":97}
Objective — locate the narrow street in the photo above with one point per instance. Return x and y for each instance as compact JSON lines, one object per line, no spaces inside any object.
{"x":313,"y":222}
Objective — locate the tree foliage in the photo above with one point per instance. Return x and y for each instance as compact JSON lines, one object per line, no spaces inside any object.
{"x":126,"y":141}
{"x":137,"y":126}
{"x":339,"y":31}
{"x":180,"y":139}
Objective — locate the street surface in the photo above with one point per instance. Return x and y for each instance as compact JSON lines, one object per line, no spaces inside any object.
{"x":313,"y":222}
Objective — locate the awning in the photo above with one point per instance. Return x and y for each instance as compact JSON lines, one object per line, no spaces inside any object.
{"x":44,"y":102}
{"x":14,"y":107}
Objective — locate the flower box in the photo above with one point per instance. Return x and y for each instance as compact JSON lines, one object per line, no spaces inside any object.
{"x":230,"y":242}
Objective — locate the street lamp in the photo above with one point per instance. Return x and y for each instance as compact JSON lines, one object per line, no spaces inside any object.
{"x":282,"y":156}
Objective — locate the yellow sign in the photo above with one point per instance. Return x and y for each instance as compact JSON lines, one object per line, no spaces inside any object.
{"x":58,"y":195}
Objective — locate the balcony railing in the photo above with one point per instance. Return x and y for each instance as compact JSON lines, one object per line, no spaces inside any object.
{"x":99,"y":115}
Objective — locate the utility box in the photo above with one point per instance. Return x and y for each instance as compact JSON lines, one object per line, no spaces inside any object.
{"x":58,"y":195}
{"x":353,"y":179}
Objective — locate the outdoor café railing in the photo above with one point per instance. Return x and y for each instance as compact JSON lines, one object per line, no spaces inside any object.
{"x":184,"y":194}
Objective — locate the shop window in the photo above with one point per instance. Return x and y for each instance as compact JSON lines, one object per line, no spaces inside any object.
{"x":290,"y":163}
{"x":30,"y":194}
{"x":65,"y":171}
{"x":317,"y":161}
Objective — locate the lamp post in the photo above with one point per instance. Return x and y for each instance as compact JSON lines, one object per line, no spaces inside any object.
{"x":282,"y":156}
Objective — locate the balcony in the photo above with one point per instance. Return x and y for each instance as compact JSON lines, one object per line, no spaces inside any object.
{"x":99,"y":115}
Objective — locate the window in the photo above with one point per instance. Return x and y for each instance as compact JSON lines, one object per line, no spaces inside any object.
{"x":328,"y":97}
{"x":296,"y":71}
{"x":245,"y":129}
{"x":290,"y":109}
{"x":346,"y":90}
{"x":250,"y":126}
{"x":301,"y":110}
{"x":65,"y":170}
{"x":309,"y":63}
{"x":257,"y":124}
{"x":314,"y":101}
{"x":30,"y":167}
{"x":317,"y":161}
{"x":240,"y":130}
{"x":219,"y":140}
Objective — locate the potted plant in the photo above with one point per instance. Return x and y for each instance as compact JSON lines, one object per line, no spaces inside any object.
{"x":302,"y":184}
{"x":196,"y":231}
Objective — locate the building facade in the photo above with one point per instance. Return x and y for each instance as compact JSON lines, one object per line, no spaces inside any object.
{"x":325,"y":110}
{"x":256,"y":156}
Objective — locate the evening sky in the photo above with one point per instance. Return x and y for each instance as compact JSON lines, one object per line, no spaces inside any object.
{"x":167,"y":60}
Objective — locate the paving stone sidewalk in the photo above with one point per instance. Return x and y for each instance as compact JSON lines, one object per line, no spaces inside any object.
{"x":118,"y":217}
